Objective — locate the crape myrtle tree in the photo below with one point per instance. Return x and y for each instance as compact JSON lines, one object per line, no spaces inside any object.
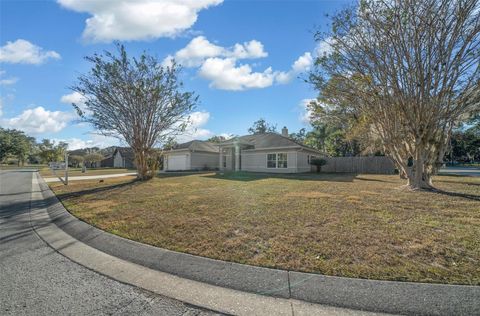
{"x":408,"y":68}
{"x":136,"y":100}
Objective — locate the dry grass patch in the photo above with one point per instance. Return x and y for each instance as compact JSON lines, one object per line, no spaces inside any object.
{"x":73,"y":172}
{"x":336,"y":224}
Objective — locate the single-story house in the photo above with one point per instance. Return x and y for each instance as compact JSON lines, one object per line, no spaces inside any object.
{"x":107,"y":162}
{"x":266,"y":152}
{"x":123,"y":157}
{"x":194,"y":155}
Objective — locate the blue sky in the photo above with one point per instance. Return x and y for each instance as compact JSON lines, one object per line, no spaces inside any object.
{"x":243,"y":59}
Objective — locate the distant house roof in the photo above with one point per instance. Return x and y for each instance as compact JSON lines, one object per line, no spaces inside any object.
{"x":197,"y":145}
{"x":126,"y":152}
{"x":266,"y":140}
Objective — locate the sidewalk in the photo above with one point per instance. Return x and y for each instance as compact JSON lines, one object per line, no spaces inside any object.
{"x":104,"y":176}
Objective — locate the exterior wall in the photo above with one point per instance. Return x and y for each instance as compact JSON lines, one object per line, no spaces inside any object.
{"x":204,"y":160}
{"x":256,"y":161}
{"x":227,"y":156}
{"x":303,"y":164}
{"x":107,"y":162}
{"x":118,"y":160}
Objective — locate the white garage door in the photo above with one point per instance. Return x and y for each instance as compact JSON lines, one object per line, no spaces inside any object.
{"x":177,"y":162}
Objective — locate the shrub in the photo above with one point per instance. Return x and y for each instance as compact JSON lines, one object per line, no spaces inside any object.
{"x":319,"y":162}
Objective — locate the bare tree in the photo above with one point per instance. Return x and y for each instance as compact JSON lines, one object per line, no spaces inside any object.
{"x":410,"y":69}
{"x":136,"y":100}
{"x":93,"y":159}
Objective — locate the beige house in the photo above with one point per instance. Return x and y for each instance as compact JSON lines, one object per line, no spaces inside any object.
{"x":194,"y":155}
{"x":268,"y":152}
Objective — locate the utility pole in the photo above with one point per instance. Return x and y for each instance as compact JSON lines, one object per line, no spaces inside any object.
{"x":66,"y":168}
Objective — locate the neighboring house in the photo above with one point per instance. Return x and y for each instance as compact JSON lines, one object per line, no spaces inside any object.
{"x":123,"y":157}
{"x":268,"y":152}
{"x":107,"y":162}
{"x":194,"y":155}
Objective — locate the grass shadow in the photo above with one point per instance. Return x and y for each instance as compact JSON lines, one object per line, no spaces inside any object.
{"x":175,"y":174}
{"x":255,"y":176}
{"x":456,"y":182}
{"x":457,"y":194}
{"x":372,"y":180}
{"x":68,"y":195}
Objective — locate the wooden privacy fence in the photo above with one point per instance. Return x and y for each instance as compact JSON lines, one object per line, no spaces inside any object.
{"x":380,"y":165}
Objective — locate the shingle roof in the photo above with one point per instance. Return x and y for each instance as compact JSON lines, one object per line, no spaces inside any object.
{"x":126,"y":152}
{"x":267,"y":140}
{"x":197,"y":145}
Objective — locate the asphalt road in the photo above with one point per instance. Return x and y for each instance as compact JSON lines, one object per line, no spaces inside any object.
{"x":461,"y":171}
{"x":36,"y":280}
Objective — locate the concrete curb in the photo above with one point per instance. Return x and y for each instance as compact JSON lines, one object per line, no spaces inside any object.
{"x":280,"y":285}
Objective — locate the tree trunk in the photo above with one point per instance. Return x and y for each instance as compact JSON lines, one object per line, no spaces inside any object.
{"x":420,"y":178}
{"x":142,"y":165}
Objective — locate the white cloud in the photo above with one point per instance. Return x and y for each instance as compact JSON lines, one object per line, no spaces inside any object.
{"x":76,"y":143}
{"x":24,"y":52}
{"x":137,"y":19}
{"x":75,"y":97}
{"x":226,"y":135}
{"x":225,"y":74}
{"x":305,"y":112}
{"x":303,"y":63}
{"x":195,"y":129}
{"x":252,"y":49}
{"x":199,"y":49}
{"x":324,"y":47}
{"x":39,"y":120}
{"x":8,"y":81}
{"x":95,"y":140}
{"x":220,"y":64}
{"x":196,"y":52}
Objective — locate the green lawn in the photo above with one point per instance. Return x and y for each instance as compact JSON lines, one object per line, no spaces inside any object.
{"x":336,"y":224}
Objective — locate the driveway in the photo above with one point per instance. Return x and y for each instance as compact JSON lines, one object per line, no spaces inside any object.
{"x":461,"y":171}
{"x":36,"y":280}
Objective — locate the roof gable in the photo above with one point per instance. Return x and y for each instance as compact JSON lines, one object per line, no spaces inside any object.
{"x":197,"y":145}
{"x":267,"y":140}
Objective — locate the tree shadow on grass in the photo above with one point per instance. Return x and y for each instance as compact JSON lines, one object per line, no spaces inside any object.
{"x":372,"y":180}
{"x":254,"y":176}
{"x":456,"y":182}
{"x":175,"y":174}
{"x":125,"y":185}
{"x":456,"y":194}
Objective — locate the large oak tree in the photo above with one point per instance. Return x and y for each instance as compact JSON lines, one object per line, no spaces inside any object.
{"x":410,"y":69}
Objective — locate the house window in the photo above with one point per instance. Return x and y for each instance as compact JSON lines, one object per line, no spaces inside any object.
{"x":224,"y":161}
{"x":271,"y":160}
{"x":282,"y":160}
{"x":277,"y":160}
{"x":308,"y":159}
